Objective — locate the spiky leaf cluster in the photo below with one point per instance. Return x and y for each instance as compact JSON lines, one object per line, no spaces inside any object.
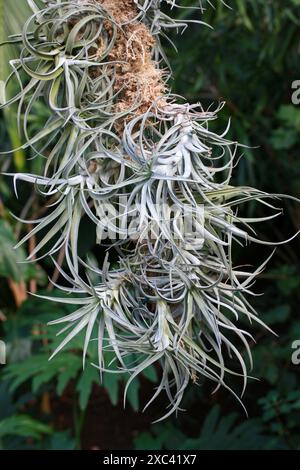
{"x":138,"y":171}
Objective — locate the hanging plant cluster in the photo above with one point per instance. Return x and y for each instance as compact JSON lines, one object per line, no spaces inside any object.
{"x":145,"y":167}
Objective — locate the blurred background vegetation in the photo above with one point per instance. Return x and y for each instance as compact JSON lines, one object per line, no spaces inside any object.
{"x":250,"y":60}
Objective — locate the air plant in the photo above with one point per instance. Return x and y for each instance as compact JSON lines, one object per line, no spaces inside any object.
{"x":118,"y":147}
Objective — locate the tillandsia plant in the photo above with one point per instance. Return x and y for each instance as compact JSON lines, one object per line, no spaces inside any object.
{"x":144,"y":165}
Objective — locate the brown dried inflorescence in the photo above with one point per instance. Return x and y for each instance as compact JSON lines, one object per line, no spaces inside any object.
{"x":122,"y":11}
{"x":139,"y":81}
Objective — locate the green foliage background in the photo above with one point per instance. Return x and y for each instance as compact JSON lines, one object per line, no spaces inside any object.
{"x":250,"y":60}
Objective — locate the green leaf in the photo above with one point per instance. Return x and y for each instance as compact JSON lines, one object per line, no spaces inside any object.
{"x":283,"y":138}
{"x":111,"y":385}
{"x":89,"y":376}
{"x":61,"y":441}
{"x":42,"y":371}
{"x":69,"y":372}
{"x":133,"y":394}
{"x":224,"y":433}
{"x":24,"y":426}
{"x":289,"y":115}
{"x":145,"y":441}
{"x":13,"y":14}
{"x":9,"y":257}
{"x":163,"y":436}
{"x":150,"y":373}
{"x":217,"y":433}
